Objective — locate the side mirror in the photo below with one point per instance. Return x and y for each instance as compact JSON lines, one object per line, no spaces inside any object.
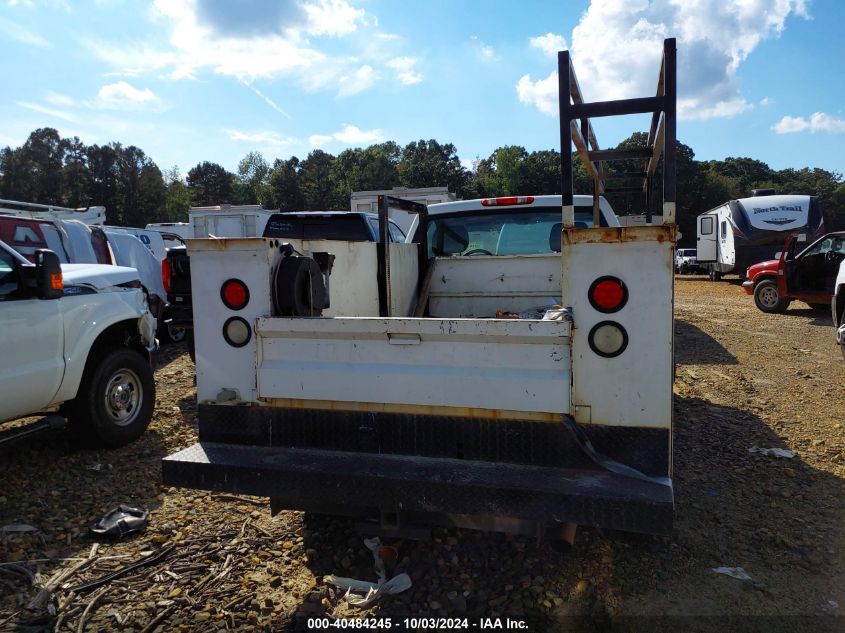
{"x":48,"y":275}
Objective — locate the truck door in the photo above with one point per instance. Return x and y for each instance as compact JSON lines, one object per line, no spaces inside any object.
{"x":814,"y":272}
{"x":31,"y":354}
{"x":707,"y":238}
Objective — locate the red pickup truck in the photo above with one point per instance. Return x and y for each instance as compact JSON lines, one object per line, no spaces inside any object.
{"x":808,"y":276}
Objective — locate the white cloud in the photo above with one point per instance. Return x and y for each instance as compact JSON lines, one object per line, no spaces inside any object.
{"x":59,"y":114}
{"x":265,"y":138}
{"x":550,"y":43}
{"x":485,"y":52}
{"x":123,"y":95}
{"x":617,"y":46}
{"x":358,"y":81}
{"x":542,"y":93}
{"x":349,"y":135}
{"x":332,"y":17}
{"x":14,"y":31}
{"x":765,"y":101}
{"x":253,"y":40}
{"x":405,"y":70}
{"x":818,"y":122}
{"x":59,"y":99}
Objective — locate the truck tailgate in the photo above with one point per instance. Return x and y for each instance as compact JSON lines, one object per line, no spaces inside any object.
{"x":470,"y":367}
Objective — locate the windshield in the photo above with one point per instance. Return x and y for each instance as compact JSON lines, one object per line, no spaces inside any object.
{"x":534,"y":231}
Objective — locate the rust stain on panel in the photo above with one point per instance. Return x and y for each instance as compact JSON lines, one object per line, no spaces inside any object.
{"x":412,"y":409}
{"x":615,"y":235}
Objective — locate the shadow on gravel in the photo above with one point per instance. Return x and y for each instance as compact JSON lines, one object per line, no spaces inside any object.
{"x":818,"y":316}
{"x":169,"y":352}
{"x":694,"y":346}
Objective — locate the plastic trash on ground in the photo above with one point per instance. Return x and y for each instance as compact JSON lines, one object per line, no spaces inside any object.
{"x":362,"y":593}
{"x":120,"y":522}
{"x":734,"y":572}
{"x":774,"y":452}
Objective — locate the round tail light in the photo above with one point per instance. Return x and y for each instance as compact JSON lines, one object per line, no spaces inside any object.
{"x":234,"y":294}
{"x":608,"y":339}
{"x":608,"y":294}
{"x":236,"y":331}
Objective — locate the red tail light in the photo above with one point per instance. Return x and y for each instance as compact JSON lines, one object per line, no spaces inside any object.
{"x":165,"y":274}
{"x":234,"y":294}
{"x":507,"y":201}
{"x":608,"y":294}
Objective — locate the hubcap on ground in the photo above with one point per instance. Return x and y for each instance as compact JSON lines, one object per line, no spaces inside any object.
{"x":123,"y":397}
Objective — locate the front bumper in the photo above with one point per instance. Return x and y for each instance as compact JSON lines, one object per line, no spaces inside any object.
{"x":748,"y":286}
{"x":349,"y":482}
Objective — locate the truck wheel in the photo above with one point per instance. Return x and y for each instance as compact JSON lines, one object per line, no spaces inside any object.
{"x":767,"y":297}
{"x":115,"y":400}
{"x":172,"y":334}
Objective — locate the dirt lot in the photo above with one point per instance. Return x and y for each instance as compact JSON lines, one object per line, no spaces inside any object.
{"x":744,"y":379}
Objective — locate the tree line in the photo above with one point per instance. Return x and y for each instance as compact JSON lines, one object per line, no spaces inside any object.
{"x":49,"y":169}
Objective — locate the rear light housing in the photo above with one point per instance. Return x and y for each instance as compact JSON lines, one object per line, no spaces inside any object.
{"x":608,"y":294}
{"x":236,"y":331}
{"x":234,"y":294}
{"x":608,"y":339}
{"x":507,"y":201}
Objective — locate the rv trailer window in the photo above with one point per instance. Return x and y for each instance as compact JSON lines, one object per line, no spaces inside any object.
{"x":724,"y":229}
{"x":706,"y":226}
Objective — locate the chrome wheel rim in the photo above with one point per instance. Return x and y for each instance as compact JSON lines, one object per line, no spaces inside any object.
{"x":123,"y":397}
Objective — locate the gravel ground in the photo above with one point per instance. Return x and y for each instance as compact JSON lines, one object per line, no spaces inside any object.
{"x":744,"y":379}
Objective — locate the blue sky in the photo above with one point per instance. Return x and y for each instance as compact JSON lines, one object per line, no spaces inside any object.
{"x":192,"y":80}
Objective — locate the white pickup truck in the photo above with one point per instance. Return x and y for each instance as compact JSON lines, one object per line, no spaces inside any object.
{"x":78,"y":338}
{"x":509,"y":368}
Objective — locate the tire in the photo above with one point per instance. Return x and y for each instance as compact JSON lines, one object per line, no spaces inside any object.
{"x":116,"y":398}
{"x":715,"y":275}
{"x":767,"y":298}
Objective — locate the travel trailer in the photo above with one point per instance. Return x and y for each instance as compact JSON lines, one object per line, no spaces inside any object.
{"x":739,"y":233}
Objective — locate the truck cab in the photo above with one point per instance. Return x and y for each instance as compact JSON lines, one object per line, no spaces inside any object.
{"x":807,"y":275}
{"x":78,"y":338}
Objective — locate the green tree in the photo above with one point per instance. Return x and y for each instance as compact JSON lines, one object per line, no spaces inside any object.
{"x":177,"y":197}
{"x":104,"y":185}
{"x":253,"y":173}
{"x":210,"y":184}
{"x":317,"y":183}
{"x":283,"y":191}
{"x":430,"y":164}
{"x":76,"y":177}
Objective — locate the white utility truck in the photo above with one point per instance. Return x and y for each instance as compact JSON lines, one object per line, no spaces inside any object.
{"x":77,"y":338}
{"x":509,"y":368}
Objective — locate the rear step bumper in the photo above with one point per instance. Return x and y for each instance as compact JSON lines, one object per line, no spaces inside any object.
{"x":424,"y":484}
